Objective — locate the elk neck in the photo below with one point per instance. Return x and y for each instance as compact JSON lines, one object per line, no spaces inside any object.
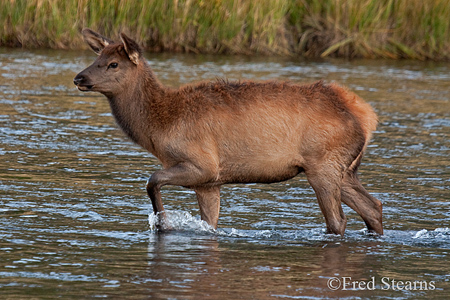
{"x":134,"y":106}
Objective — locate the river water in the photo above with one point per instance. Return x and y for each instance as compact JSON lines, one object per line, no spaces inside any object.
{"x":75,"y":220}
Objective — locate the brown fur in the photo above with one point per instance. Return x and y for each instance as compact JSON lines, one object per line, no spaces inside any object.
{"x":219,"y":132}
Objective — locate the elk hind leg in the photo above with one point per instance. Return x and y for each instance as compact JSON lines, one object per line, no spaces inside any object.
{"x":357,"y":198}
{"x":327,"y":187}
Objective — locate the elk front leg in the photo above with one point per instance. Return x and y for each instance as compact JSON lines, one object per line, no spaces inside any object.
{"x":183,"y":174}
{"x":326,"y":185}
{"x":154,"y":192}
{"x":209,"y":203}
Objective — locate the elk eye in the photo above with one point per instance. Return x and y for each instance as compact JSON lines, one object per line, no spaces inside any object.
{"x":113,"y":65}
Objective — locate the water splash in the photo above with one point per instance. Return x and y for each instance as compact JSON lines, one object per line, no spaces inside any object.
{"x":180,"y":221}
{"x":438,"y":233}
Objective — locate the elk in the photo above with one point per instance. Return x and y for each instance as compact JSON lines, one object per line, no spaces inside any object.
{"x":220,"y":132}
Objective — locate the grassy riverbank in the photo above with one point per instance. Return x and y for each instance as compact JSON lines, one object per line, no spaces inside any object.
{"x":415,"y":29}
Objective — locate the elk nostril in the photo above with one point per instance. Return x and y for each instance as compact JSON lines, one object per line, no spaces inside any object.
{"x":78,"y":79}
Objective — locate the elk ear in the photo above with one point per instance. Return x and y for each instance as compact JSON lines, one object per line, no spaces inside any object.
{"x":96,"y":41}
{"x":132,"y":48}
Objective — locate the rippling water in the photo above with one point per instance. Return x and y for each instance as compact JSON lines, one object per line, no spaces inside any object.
{"x":75,"y":220}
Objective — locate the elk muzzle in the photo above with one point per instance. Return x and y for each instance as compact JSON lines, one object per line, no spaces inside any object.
{"x":82,"y":82}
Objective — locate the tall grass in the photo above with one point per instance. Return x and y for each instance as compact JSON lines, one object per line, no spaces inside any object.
{"x":345,"y":28}
{"x":375,"y":28}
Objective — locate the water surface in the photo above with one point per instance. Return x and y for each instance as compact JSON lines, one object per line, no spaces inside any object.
{"x":75,"y":220}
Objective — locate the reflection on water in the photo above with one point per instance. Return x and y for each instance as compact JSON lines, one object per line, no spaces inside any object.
{"x":74,"y":215}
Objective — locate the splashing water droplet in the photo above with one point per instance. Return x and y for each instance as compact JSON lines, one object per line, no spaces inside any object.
{"x":152,"y":221}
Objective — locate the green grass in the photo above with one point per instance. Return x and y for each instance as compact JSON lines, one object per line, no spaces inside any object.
{"x":415,"y":29}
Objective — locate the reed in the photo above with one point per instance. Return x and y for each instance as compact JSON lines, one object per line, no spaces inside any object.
{"x":343,"y":28}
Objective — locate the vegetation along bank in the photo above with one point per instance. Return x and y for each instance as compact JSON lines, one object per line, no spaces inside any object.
{"x":413,"y":29}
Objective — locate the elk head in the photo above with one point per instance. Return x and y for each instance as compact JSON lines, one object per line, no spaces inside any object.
{"x":114,"y":67}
